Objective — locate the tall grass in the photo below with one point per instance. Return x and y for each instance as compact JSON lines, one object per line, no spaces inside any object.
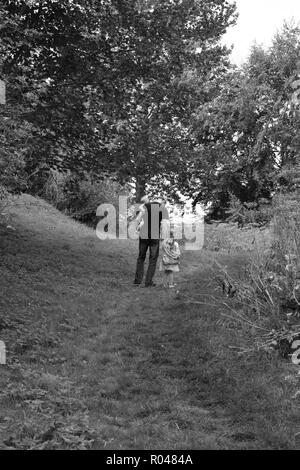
{"x":266,"y":299}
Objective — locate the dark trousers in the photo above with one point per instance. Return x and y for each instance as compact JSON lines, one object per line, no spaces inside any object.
{"x":153,"y":245}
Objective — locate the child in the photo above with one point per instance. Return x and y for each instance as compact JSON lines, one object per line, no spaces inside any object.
{"x":170,"y":260}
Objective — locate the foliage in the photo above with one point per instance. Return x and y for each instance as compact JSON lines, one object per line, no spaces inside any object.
{"x":144,"y":91}
{"x":82,"y":196}
{"x":266,"y":299}
{"x":110,"y":86}
{"x":248,"y":132}
{"x":249,"y":213}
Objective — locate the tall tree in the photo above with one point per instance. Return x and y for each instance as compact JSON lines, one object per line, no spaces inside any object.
{"x":111,"y":85}
{"x":246,"y":134}
{"x":177,"y":50}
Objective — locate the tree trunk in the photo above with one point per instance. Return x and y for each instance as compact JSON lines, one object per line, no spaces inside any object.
{"x":140,"y":188}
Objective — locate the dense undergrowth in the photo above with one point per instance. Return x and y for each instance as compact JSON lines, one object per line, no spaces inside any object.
{"x":263,"y":299}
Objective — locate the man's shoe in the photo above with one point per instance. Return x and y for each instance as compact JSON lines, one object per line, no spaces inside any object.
{"x":152,"y":284}
{"x":137,"y":284}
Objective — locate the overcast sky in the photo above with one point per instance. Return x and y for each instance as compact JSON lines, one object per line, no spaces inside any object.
{"x":258,"y":21}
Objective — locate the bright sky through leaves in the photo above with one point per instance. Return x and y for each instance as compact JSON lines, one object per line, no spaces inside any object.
{"x":258,"y":21}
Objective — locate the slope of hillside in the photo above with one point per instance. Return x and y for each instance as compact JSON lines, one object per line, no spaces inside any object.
{"x":93,"y":362}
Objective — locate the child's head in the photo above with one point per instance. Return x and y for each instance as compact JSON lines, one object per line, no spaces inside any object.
{"x":171,"y":238}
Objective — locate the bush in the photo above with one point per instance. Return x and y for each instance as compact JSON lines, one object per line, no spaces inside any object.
{"x":11,"y":177}
{"x":3,"y":202}
{"x":80,"y":197}
{"x":251,"y":213}
{"x":14,"y":135}
{"x":54,"y":188}
{"x":288,"y":179}
{"x":267,"y":299}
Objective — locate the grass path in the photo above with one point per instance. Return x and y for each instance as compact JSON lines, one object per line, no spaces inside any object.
{"x":145,"y":369}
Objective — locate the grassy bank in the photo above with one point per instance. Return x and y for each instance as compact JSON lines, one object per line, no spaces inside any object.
{"x":96,"y":363}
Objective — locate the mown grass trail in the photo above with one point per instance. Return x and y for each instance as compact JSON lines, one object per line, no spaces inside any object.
{"x":95,"y":362}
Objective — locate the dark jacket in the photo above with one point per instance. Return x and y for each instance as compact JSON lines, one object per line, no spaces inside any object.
{"x":154,"y":214}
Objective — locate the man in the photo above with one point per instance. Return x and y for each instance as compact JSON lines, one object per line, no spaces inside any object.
{"x":150,"y":219}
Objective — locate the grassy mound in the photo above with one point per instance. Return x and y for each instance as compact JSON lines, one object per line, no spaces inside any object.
{"x":93,"y":362}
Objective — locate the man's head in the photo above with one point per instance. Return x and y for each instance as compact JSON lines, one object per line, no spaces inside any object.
{"x":145,"y":200}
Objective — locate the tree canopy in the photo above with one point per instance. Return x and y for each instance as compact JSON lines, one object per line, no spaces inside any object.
{"x":144,"y":91}
{"x":249,"y":131}
{"x":110,"y":86}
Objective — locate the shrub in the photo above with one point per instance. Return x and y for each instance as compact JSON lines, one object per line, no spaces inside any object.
{"x":54,"y":188}
{"x":80,"y":197}
{"x":249,"y":213}
{"x":4,"y":195}
{"x":267,"y":299}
